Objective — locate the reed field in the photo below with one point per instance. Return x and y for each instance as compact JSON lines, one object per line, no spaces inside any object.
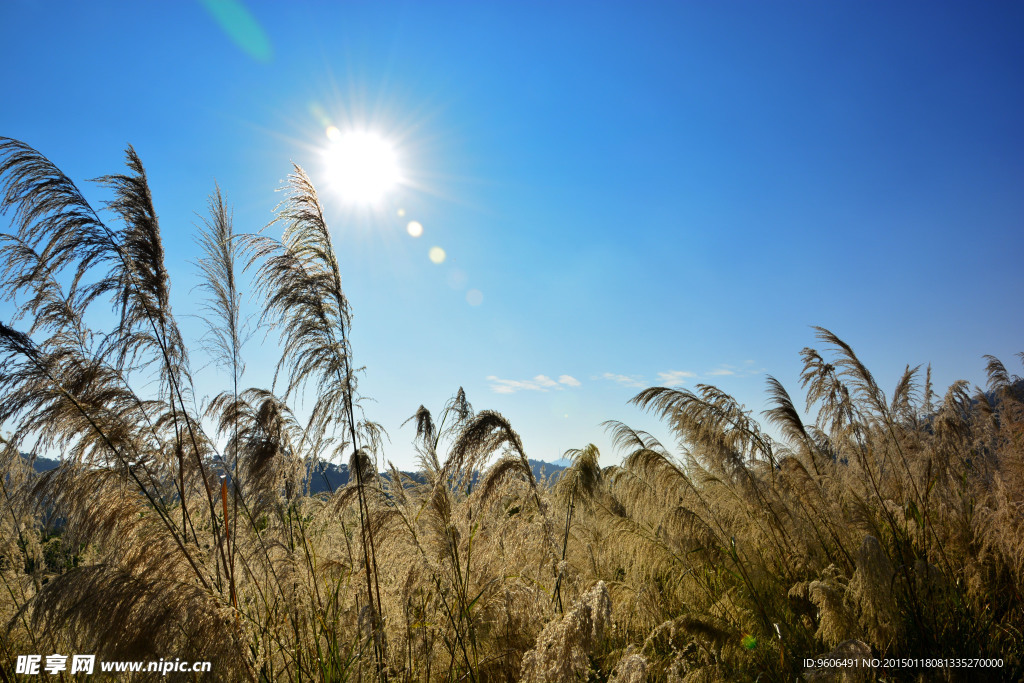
{"x":883,"y":525}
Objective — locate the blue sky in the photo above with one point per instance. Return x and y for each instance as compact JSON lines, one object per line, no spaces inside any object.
{"x":665,"y":194}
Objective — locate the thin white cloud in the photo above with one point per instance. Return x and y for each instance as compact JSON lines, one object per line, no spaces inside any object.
{"x":538,"y":383}
{"x":676,"y":376}
{"x":726,"y":370}
{"x":629,"y":381}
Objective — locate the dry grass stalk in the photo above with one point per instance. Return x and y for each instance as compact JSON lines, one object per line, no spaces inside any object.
{"x":865,"y":522}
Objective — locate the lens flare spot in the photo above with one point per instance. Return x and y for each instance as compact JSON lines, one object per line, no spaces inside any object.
{"x":474,"y":297}
{"x":400,"y":212}
{"x":317,"y":111}
{"x":457,"y":279}
{"x":333,"y":134}
{"x":437,"y":255}
{"x":241,"y":27}
{"x":415,"y":228}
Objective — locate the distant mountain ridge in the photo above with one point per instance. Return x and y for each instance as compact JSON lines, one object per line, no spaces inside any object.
{"x":329,"y":476}
{"x":41,"y":464}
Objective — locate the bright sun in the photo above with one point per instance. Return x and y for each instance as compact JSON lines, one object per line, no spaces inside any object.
{"x":361,"y":165}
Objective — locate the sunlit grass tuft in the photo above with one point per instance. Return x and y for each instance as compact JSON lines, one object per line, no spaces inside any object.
{"x":864,"y":525}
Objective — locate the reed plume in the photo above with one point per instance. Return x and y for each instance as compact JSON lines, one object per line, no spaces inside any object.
{"x":853,"y":522}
